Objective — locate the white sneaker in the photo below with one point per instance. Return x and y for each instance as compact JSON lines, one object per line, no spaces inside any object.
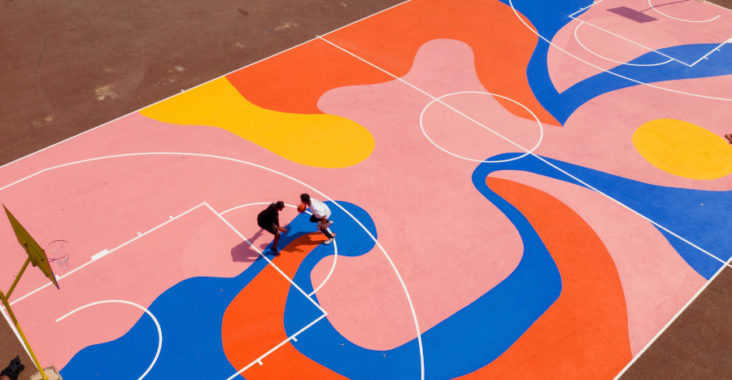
{"x":328,"y":241}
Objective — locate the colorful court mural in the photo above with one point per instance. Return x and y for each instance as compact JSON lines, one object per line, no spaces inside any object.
{"x":520,"y":189}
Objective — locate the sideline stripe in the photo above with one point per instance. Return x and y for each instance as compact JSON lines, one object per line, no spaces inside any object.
{"x":672,"y":320}
{"x":198,"y":85}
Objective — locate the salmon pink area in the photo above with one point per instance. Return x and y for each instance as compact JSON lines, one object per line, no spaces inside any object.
{"x":253,"y":322}
{"x":137,"y":272}
{"x":591,"y":307}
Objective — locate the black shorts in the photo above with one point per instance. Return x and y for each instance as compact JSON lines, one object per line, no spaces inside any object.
{"x":269,"y":226}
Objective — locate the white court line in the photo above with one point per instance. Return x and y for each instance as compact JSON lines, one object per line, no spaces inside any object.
{"x":273,"y":171}
{"x":572,"y":16}
{"x":257,"y":204}
{"x":12,"y":327}
{"x":609,"y":71}
{"x":201,"y":84}
{"x":332,"y":267}
{"x":537,"y":157}
{"x":649,"y":49}
{"x":335,"y":242}
{"x":439,"y":100}
{"x":281,"y":272}
{"x":711,"y":51}
{"x":650,"y":4}
{"x":666,"y":326}
{"x":576,"y":38}
{"x":101,"y":254}
{"x":157,"y":325}
{"x":273,"y":349}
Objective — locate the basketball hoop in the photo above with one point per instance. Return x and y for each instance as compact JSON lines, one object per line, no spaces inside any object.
{"x":58,"y":252}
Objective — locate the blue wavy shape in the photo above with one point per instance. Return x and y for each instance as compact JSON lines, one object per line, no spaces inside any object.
{"x":700,"y":216}
{"x":548,"y":17}
{"x":190,"y":314}
{"x":466,"y":341}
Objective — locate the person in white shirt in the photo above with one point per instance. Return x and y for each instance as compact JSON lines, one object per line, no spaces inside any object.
{"x":320,"y":214}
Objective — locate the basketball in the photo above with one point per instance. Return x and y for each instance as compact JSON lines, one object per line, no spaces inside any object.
{"x":301,"y":207}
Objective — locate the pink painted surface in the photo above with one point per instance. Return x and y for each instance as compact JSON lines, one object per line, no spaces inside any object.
{"x":428,"y":249}
{"x":105,"y":203}
{"x":630,"y":39}
{"x":376,"y":314}
{"x":656,"y":281}
{"x":605,"y":142}
{"x":602,"y":143}
{"x":196,"y":244}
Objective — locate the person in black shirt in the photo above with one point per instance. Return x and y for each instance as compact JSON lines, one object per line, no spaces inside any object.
{"x":269,"y":220}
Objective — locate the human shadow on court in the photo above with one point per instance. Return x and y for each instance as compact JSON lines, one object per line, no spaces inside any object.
{"x":243,"y":252}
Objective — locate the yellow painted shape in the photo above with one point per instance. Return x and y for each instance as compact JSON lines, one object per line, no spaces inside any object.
{"x":684,"y":149}
{"x":327,"y":141}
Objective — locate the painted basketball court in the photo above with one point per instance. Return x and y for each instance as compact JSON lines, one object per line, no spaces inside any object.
{"x":519,"y":190}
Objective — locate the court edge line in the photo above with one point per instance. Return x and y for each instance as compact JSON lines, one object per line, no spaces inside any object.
{"x":515,"y":12}
{"x":578,"y":40}
{"x":573,"y":16}
{"x":650,"y":4}
{"x":538,"y":157}
{"x":198,"y":85}
{"x":15,"y":331}
{"x":672,"y":320}
{"x":144,"y":309}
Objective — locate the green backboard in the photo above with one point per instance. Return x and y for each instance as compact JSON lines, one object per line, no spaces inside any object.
{"x":35,"y":252}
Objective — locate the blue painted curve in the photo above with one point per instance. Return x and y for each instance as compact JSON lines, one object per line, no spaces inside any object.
{"x":466,"y":341}
{"x":548,"y":17}
{"x":702,"y":217}
{"x":190,"y":314}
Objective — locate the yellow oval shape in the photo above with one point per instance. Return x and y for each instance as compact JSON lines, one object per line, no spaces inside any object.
{"x":683,"y":149}
{"x":322,"y":140}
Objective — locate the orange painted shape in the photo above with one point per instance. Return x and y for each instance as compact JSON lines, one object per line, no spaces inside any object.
{"x":294,"y":80}
{"x":254,"y":321}
{"x":501,"y":43}
{"x":584,"y":334}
